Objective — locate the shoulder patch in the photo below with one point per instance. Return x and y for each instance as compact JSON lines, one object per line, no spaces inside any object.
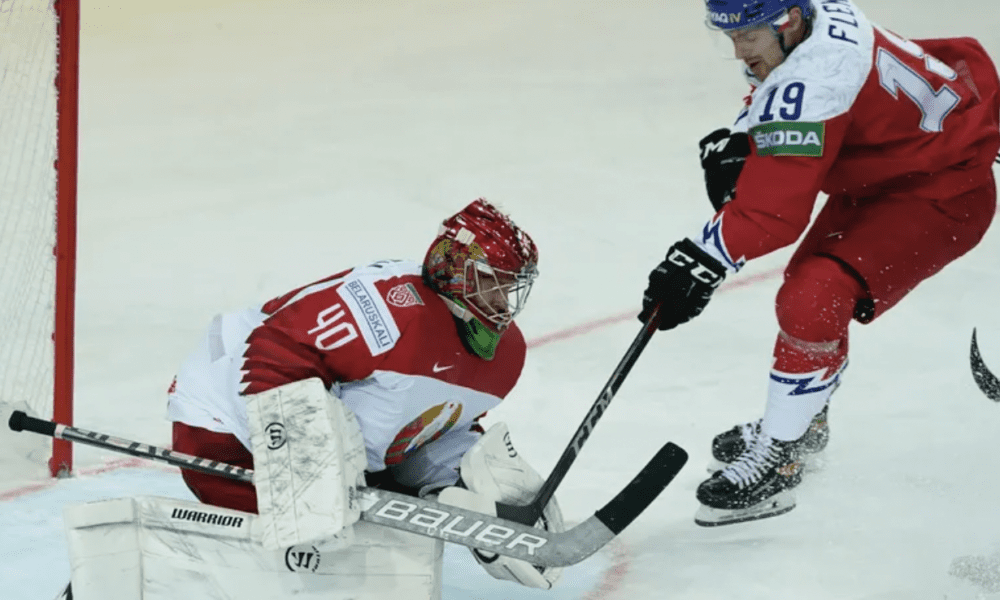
{"x":377,"y":325}
{"x":789,"y":139}
{"x":404,"y":295}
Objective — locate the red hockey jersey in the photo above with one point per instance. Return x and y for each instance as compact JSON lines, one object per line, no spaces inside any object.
{"x":860,"y":111}
{"x":383,"y":342}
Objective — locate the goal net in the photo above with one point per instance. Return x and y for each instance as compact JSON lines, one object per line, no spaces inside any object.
{"x":38,"y":113}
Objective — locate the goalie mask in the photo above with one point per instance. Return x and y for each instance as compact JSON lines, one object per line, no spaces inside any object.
{"x":485,"y":266}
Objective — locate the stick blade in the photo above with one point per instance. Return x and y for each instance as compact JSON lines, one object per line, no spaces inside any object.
{"x":643,"y":489}
{"x":985,"y":379}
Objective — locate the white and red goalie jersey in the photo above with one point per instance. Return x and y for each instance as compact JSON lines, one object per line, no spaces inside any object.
{"x":383,"y":342}
{"x":856,"y":110}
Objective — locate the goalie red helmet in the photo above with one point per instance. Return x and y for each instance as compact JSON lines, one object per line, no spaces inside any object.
{"x":483,"y":262}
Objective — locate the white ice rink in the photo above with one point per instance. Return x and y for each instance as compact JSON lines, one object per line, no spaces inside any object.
{"x":233,"y":150}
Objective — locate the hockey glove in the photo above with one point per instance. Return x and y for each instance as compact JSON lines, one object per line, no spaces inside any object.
{"x":723,"y":155}
{"x":683,"y":283}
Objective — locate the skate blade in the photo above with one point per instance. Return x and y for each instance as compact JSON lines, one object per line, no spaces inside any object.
{"x":776,"y":505}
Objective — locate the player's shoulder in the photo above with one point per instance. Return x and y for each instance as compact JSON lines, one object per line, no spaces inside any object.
{"x":400,"y":285}
{"x":823,"y":76}
{"x":386,"y":299}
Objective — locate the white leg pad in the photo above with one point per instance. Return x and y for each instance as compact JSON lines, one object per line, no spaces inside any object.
{"x":309,"y":459}
{"x":163,"y":549}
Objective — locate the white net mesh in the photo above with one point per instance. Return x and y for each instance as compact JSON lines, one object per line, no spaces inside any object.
{"x":27,"y":203}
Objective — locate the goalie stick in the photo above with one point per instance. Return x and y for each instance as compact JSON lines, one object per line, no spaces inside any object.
{"x":430,"y":518}
{"x":985,"y":379}
{"x":530,"y":513}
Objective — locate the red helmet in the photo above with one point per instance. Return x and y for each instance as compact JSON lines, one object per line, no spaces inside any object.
{"x":484,"y":262}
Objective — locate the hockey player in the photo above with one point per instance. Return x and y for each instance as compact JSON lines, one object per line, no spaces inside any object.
{"x":901,"y":134}
{"x":409,"y":355}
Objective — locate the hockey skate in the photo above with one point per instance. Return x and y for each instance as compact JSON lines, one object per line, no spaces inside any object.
{"x":757,"y":484}
{"x":729,"y":445}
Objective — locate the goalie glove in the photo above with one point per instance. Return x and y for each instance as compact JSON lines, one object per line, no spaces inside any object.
{"x":492,"y":471}
{"x":723,"y":154}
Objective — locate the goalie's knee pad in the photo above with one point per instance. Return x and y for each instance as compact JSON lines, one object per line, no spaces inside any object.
{"x":493,"y":471}
{"x":165,"y":549}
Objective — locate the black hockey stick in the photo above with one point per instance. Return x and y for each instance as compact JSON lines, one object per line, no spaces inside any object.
{"x":530,"y":513}
{"x":430,"y":518}
{"x":985,"y":379}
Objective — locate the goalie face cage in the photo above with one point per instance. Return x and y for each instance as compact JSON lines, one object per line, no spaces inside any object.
{"x":38,"y":166}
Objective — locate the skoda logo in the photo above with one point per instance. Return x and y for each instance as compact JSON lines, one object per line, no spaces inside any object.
{"x":275,"y":436}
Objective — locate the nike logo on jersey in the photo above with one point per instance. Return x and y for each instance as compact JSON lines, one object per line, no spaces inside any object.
{"x":438,"y":369}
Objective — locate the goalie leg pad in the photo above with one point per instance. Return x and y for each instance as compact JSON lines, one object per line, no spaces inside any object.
{"x":164,"y":549}
{"x":493,"y":471}
{"x":309,"y":460}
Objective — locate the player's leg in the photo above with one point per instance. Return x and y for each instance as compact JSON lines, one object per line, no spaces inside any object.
{"x":196,"y":404}
{"x":729,"y":444}
{"x":891,"y":244}
{"x":223,"y":447}
{"x":815,"y":306}
{"x":883,"y":248}
{"x":814,"y":286}
{"x":896,"y":241}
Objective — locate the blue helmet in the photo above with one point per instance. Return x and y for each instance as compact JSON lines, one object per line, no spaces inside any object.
{"x":728,"y":15}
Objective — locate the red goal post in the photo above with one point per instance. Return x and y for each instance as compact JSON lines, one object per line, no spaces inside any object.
{"x":39,"y":83}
